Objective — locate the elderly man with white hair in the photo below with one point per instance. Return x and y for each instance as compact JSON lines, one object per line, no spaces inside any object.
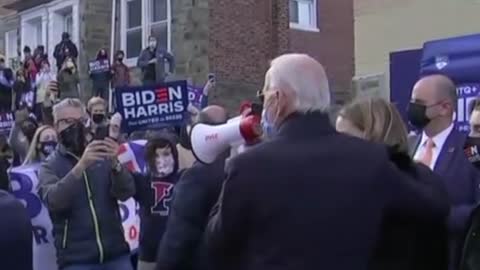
{"x":308,"y":198}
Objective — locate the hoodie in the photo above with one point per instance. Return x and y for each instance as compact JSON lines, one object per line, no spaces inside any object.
{"x":154,"y":196}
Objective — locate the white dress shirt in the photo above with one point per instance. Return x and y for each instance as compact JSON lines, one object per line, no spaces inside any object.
{"x":438,"y":140}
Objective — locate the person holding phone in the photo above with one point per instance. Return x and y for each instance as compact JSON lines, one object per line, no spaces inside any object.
{"x":81,"y":184}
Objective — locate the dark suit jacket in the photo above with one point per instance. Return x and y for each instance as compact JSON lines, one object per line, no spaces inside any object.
{"x":462,"y":181}
{"x":183,"y":246}
{"x":410,"y":243}
{"x":311,"y":198}
{"x":15,"y":234}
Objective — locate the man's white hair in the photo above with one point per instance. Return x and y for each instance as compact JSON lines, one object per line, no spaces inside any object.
{"x":67,"y":103}
{"x":304,"y":77}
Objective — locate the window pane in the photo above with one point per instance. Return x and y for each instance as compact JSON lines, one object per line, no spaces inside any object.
{"x":305,"y":13}
{"x":68,"y":24}
{"x":134,"y":17}
{"x":159,"y":10}
{"x":160,"y":31}
{"x":38,"y":30}
{"x":12,"y":44}
{"x":134,"y":43}
{"x":293,"y":11}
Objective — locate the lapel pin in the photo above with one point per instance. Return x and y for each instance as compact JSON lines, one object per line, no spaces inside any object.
{"x":451,"y":150}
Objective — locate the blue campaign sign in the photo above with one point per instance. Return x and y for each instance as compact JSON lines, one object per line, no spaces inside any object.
{"x":152,"y":107}
{"x":196,"y":97}
{"x":7,"y":120}
{"x":466,"y":93}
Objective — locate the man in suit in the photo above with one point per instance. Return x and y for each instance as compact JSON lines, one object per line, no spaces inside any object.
{"x":308,"y":197}
{"x":440,"y":147}
{"x":182,"y":246}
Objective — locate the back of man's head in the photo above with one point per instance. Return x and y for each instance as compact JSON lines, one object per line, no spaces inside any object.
{"x":303,"y":78}
{"x":213,"y":115}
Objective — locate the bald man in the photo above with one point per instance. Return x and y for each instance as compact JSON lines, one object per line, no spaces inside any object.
{"x":440,"y":147}
{"x":308,"y":198}
{"x":182,"y":246}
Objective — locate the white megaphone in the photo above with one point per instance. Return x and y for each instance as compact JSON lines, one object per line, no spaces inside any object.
{"x":210,"y":141}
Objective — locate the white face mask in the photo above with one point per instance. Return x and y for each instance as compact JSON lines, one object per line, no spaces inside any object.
{"x":164,"y":165}
{"x":153,"y":44}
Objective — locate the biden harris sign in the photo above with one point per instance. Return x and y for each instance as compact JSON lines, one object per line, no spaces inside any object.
{"x":152,"y":107}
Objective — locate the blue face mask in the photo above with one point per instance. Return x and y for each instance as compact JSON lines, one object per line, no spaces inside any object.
{"x":269,"y":130}
{"x":47,"y":147}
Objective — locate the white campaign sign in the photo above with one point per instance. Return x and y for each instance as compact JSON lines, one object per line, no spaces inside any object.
{"x":24,"y":181}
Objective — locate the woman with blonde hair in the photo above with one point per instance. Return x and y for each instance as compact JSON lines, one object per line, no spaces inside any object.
{"x":43,"y":144}
{"x":405,"y":243}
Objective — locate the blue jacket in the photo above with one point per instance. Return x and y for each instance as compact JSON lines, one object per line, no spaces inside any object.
{"x":15,"y":234}
{"x":85,"y":214}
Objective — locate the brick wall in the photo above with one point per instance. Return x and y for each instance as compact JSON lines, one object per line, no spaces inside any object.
{"x":333,"y":45}
{"x":244,"y":36}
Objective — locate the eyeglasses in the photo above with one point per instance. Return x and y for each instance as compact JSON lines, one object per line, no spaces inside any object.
{"x":71,"y":121}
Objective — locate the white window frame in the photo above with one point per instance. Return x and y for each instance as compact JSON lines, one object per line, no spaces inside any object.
{"x":313,"y":26}
{"x":145,"y":25}
{"x":39,"y":12}
{"x":8,"y":57}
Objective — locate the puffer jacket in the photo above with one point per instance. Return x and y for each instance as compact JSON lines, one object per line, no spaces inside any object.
{"x":86,"y":220}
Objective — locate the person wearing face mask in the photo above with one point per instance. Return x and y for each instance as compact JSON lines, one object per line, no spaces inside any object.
{"x":289,"y":202}
{"x":44,"y":77}
{"x":66,"y":48}
{"x":97,"y":108}
{"x":121,"y":72}
{"x":6,"y":83}
{"x":472,"y":143}
{"x":68,"y":80}
{"x":43,"y":144}
{"x":101,"y":79}
{"x":152,"y":62}
{"x":404,"y":242}
{"x":154,"y":194}
{"x":80,"y":184}
{"x":440,"y":146}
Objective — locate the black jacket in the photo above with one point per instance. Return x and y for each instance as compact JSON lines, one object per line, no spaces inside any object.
{"x":85,"y":214}
{"x":15,"y":234}
{"x":183,"y":245}
{"x":311,"y":199}
{"x":407,"y":242}
{"x":59,"y":52}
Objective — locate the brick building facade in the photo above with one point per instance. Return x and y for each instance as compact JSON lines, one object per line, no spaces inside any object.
{"x":235,"y":39}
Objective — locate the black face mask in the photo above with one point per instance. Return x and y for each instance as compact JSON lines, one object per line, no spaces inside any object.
{"x":471,"y":149}
{"x":98,"y":118}
{"x":46,"y":148}
{"x":120,"y":59}
{"x":73,"y":138}
{"x":417,"y":115}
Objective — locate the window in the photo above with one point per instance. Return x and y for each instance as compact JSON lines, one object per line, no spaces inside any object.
{"x":141,"y":19}
{"x":11,"y":48}
{"x":134,"y":28}
{"x":303,"y":14}
{"x":68,"y":24}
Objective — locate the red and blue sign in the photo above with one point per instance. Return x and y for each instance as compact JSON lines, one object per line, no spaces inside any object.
{"x":148,"y":107}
